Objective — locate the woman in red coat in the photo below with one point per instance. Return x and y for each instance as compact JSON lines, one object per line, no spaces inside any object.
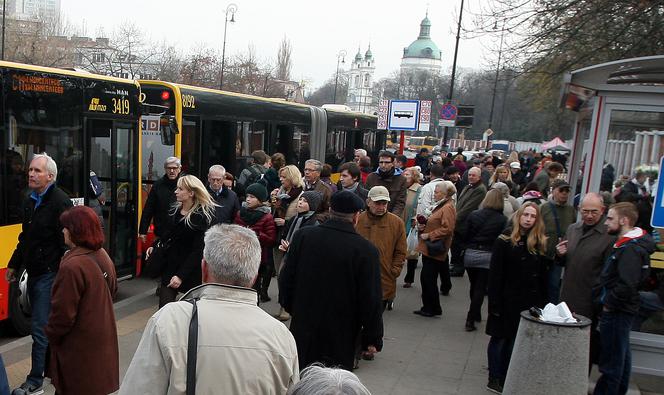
{"x":81,"y":328}
{"x":255,"y":215}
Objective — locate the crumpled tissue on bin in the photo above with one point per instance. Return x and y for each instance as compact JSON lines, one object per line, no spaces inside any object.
{"x":557,"y":313}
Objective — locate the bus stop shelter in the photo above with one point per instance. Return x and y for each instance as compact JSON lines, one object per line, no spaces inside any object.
{"x":620,"y":123}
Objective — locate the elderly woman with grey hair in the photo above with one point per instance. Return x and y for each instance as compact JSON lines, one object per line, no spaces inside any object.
{"x":511,"y":205}
{"x":319,"y":380}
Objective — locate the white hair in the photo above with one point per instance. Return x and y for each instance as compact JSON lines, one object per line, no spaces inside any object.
{"x":218,"y":169}
{"x":172,"y":159}
{"x":51,"y":166}
{"x":319,"y":380}
{"x":361,"y":151}
{"x":233,"y":254}
{"x":446,"y":187}
{"x":315,"y":162}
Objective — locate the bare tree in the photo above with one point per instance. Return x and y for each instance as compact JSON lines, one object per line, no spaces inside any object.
{"x":284,"y":61}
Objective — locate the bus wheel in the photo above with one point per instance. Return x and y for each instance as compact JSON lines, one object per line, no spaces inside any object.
{"x":19,"y":305}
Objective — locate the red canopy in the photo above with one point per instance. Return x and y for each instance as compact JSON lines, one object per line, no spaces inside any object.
{"x":556,"y":144}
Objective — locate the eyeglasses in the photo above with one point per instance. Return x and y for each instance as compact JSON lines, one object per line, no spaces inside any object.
{"x":306,"y":170}
{"x":214,"y":179}
{"x":172,"y":168}
{"x":590,"y":212}
{"x":384,"y":162}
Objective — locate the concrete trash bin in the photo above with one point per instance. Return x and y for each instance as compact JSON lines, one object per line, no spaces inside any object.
{"x":549,"y":357}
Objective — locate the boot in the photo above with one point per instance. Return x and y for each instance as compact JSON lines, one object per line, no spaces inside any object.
{"x":283,"y":315}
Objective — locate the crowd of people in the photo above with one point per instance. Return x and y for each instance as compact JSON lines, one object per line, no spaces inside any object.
{"x":337,"y":250}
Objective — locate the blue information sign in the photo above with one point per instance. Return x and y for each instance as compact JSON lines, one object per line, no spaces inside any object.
{"x":657,"y":219}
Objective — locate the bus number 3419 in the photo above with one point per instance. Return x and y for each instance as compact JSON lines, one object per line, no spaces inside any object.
{"x":120,"y":106}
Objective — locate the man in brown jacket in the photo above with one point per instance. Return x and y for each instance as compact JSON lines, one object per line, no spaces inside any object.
{"x":585,"y":248}
{"x":389,"y":177}
{"x":386,"y":231}
{"x":312,"y":182}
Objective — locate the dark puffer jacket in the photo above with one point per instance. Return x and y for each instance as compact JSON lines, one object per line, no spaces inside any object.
{"x":483,"y":226}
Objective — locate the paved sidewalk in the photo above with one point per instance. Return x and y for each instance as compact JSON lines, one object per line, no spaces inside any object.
{"x":420,"y":355}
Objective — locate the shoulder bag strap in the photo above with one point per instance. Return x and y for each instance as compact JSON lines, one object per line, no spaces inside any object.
{"x":554,"y":211}
{"x":192,"y":349}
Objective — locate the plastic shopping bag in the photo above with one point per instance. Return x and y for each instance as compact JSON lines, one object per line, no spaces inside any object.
{"x":412,"y":241}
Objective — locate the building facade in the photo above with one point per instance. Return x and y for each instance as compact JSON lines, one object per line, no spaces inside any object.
{"x":361,"y":96}
{"x":422,"y":54}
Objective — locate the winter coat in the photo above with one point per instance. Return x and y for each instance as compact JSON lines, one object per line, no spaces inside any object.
{"x":81,"y":328}
{"x":241,"y":349}
{"x":229,"y":205}
{"x":271,"y":179}
{"x":517,"y":282}
{"x":467,"y":202}
{"x":388,"y":234}
{"x":424,"y":162}
{"x":625,"y":270}
{"x":185,"y":250}
{"x":158,"y":207}
{"x":586,"y":254}
{"x":461,"y":165}
{"x":396,"y":186}
{"x":330,"y":284}
{"x":566,"y":217}
{"x":483,"y":228}
{"x":266,"y":231}
{"x":440,"y":226}
{"x":411,"y":208}
{"x":543,"y":181}
{"x":41,"y":243}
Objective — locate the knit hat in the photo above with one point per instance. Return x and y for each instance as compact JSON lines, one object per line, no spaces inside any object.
{"x":258,"y":191}
{"x":314,"y":198}
{"x":346,"y":202}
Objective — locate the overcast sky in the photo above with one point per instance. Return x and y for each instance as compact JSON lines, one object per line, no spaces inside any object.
{"x":318,"y":30}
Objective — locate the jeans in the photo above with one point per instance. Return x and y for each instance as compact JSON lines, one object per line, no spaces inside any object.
{"x":39,"y":291}
{"x":615,"y":359}
{"x":4,"y":383}
{"x":553,"y":284}
{"x":650,"y":303}
{"x":411,"y":265}
{"x":499,"y":353}
{"x":429,"y":283}
{"x":479,"y":279}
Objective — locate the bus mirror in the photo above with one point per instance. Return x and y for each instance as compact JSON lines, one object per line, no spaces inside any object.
{"x":168,"y":129}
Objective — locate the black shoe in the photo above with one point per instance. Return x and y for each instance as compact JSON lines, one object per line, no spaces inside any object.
{"x":265,"y":298}
{"x":494,"y":386}
{"x":390,"y":306}
{"x":470,"y":326}
{"x":445,"y":293}
{"x":424,"y":313}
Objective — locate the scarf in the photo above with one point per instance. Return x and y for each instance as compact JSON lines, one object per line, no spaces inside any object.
{"x":353,"y":188}
{"x":297,"y":223}
{"x":251,"y":216}
{"x":429,"y":210}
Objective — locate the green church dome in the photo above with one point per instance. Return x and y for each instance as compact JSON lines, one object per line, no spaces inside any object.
{"x":423,"y":47}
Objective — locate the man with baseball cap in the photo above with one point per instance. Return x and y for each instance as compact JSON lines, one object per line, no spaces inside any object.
{"x":558,"y":215}
{"x":387,"y":232}
{"x":518,"y":175}
{"x":331,"y":286}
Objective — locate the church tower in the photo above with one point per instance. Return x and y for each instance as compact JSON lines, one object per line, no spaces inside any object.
{"x":361,"y":83}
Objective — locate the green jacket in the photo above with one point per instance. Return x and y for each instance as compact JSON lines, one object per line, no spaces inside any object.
{"x":566,"y":217}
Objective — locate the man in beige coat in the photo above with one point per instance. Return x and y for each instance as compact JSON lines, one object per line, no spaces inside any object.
{"x":241,"y":349}
{"x":387,"y":233}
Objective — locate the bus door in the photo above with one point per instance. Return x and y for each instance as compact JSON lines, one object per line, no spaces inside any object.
{"x":111,"y":164}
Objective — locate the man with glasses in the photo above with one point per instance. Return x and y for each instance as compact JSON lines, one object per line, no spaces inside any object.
{"x":312,"y":182}
{"x":583,"y":251}
{"x":389,"y":177}
{"x":160,"y":199}
{"x":228,"y":202}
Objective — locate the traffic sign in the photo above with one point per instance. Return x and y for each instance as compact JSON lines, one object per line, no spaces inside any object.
{"x":404,"y":115}
{"x":657,"y":218}
{"x":448,"y":111}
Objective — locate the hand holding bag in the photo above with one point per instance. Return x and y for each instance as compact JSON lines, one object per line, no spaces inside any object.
{"x":155,"y":263}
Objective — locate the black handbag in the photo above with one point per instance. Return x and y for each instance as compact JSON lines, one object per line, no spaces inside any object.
{"x":435,"y":247}
{"x":155,"y":263}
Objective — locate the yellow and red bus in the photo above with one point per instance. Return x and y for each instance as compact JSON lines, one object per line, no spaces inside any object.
{"x":87,"y":123}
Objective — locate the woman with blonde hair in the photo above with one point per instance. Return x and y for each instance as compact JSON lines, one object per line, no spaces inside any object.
{"x":517,"y":282}
{"x":436,"y":229}
{"x":413,"y":187}
{"x":504,"y":174}
{"x":191,"y":215}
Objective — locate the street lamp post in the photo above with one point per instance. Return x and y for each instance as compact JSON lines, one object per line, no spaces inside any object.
{"x":4,"y":12}
{"x":232,"y":8}
{"x":495,"y":81}
{"x":456,"y":51}
{"x":341,"y":55}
